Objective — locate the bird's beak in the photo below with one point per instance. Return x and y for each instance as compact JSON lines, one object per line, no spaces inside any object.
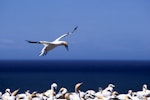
{"x":66,"y":46}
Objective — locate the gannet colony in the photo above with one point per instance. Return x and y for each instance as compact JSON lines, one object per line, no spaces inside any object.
{"x":107,"y":93}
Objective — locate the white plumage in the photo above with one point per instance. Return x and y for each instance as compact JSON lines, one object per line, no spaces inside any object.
{"x":50,"y":45}
{"x":108,"y":90}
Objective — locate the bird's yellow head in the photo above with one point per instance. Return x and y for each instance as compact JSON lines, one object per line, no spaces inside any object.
{"x":66,"y":45}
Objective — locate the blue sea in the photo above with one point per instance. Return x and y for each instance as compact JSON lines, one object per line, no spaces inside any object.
{"x":38,"y":75}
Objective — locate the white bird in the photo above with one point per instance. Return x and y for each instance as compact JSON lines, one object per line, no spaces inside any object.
{"x":89,"y":94}
{"x":99,"y":93}
{"x":61,"y":93}
{"x":50,"y":45}
{"x":108,"y":90}
{"x":8,"y":95}
{"x":125,"y":96}
{"x":50,"y":94}
{"x":37,"y":96}
{"x":24,"y":96}
{"x":144,"y":92}
{"x":74,"y":95}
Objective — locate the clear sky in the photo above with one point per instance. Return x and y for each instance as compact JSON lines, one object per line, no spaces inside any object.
{"x":107,"y":29}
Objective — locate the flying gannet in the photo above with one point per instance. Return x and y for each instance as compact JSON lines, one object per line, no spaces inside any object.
{"x":50,"y":45}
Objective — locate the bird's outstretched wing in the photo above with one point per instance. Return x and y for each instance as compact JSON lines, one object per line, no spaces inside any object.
{"x":64,"y":35}
{"x":45,"y":43}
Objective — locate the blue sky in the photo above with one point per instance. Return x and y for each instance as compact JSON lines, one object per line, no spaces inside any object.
{"x":107,"y":29}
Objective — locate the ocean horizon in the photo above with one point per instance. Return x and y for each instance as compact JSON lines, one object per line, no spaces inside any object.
{"x":38,"y":75}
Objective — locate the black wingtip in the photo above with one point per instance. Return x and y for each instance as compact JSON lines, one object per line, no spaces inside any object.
{"x":27,"y":41}
{"x":76,"y":28}
{"x":32,"y":41}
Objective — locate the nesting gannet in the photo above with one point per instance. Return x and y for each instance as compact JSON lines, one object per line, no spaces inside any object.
{"x":110,"y":97}
{"x":25,"y":96}
{"x":8,"y":95}
{"x":50,"y":94}
{"x":37,"y":96}
{"x":61,"y":93}
{"x":89,"y":94}
{"x":144,"y":93}
{"x":108,"y":90}
{"x":50,"y":45}
{"x":99,"y":93}
{"x":74,"y":95}
{"x":22,"y":96}
{"x":127,"y":96}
